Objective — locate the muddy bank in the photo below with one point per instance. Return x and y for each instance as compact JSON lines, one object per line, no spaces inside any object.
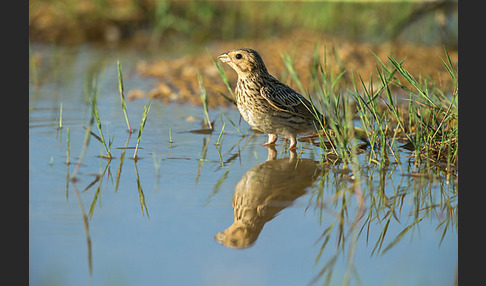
{"x":349,"y":32}
{"x":177,"y":77}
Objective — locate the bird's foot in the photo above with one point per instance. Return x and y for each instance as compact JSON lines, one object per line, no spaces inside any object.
{"x":293,"y":143}
{"x":272,"y":152}
{"x":272,"y":138}
{"x":292,"y":148}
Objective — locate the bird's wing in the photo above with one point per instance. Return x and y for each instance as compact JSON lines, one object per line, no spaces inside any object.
{"x":283,"y":98}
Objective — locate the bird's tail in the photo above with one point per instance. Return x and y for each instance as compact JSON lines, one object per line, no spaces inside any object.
{"x":361,"y":135}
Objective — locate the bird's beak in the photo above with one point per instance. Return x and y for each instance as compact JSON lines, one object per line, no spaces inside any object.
{"x":220,"y":237}
{"x":224,"y":58}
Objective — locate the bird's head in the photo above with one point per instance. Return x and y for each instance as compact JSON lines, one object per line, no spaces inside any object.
{"x":244,"y":61}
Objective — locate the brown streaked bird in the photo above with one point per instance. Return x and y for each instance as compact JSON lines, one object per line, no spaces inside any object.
{"x":267,"y":104}
{"x":263,"y":192}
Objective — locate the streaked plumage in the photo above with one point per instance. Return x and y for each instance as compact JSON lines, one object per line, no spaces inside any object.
{"x":263,"y":192}
{"x":267,"y":104}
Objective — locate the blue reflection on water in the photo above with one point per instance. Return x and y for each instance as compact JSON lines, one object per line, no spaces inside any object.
{"x":189,"y":200}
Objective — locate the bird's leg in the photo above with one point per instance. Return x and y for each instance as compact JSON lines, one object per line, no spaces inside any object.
{"x":293,"y":142}
{"x":272,"y":152}
{"x":272,"y":138}
{"x":293,"y":154}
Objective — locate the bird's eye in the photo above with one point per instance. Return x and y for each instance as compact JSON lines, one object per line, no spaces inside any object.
{"x":238,"y":56}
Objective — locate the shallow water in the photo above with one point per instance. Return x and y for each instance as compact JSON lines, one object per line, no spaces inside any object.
{"x":167,"y":218}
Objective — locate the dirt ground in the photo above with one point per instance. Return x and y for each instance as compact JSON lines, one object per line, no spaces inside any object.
{"x":177,"y":77}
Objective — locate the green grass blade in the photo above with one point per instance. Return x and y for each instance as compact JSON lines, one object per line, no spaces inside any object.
{"x":423,"y":93}
{"x":400,"y":236}
{"x":223,"y":76}
{"x":146,"y":110}
{"x":143,"y":204}
{"x":220,"y":134}
{"x":96,"y":115}
{"x":122,"y":95}
{"x":204,"y":100}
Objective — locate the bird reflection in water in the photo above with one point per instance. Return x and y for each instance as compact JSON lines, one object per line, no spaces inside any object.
{"x":263,"y":192}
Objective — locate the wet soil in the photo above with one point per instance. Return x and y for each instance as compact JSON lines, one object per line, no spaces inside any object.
{"x":177,"y":76}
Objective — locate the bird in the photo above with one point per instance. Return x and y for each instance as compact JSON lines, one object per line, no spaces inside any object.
{"x":267,"y":104}
{"x":263,"y":192}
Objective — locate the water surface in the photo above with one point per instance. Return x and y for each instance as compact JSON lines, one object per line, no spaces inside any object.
{"x":194,"y":212}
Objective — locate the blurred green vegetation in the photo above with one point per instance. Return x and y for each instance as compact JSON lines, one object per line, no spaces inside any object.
{"x":160,"y":22}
